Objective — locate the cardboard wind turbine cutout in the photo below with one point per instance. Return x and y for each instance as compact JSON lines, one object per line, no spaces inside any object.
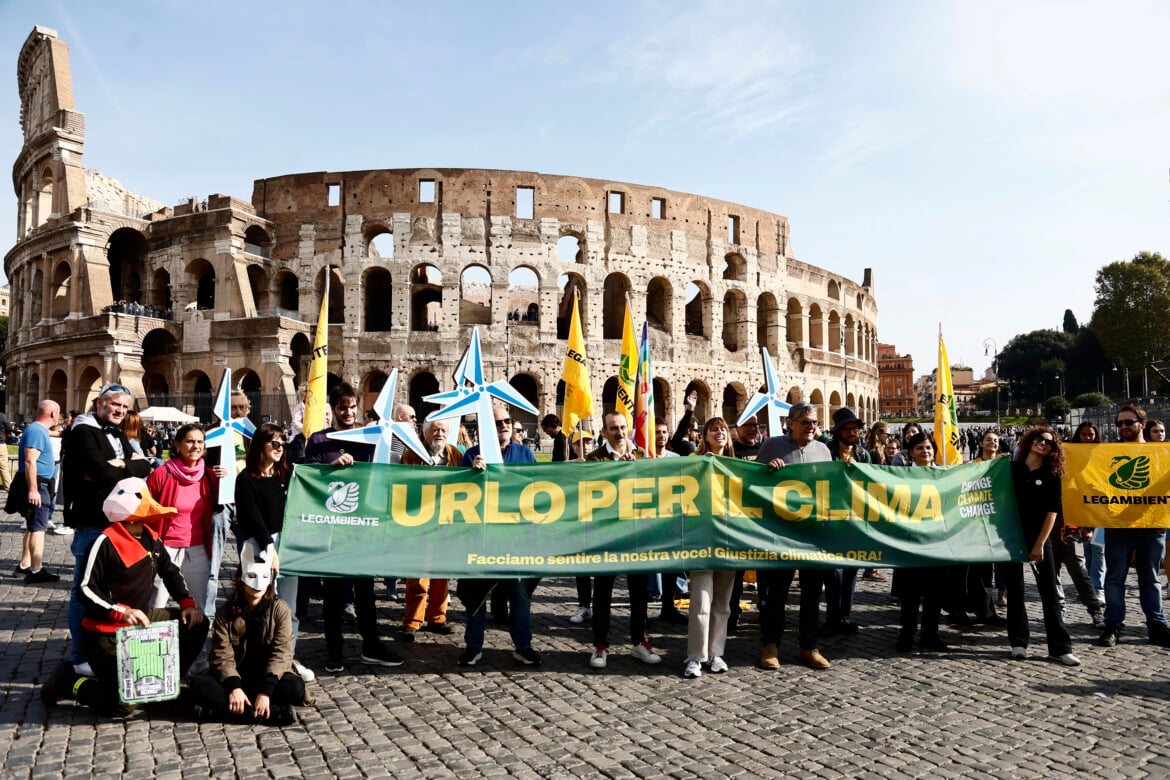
{"x":473,"y":395}
{"x":773,"y":398}
{"x":382,"y":433}
{"x":222,"y":436}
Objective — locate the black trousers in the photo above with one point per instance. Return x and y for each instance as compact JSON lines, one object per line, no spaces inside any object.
{"x":922,"y":588}
{"x":603,"y":602}
{"x":1059,"y":641}
{"x":773,"y":586}
{"x":584,"y":592}
{"x":209,"y":693}
{"x":337,"y":591}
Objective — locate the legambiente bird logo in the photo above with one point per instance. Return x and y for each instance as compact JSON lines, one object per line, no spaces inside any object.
{"x":343,"y":497}
{"x":1130,"y":473}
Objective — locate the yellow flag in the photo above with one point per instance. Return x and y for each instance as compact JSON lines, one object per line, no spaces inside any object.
{"x":946,"y":419}
{"x":1118,"y":485}
{"x":318,"y":370}
{"x":627,"y":370}
{"x":578,"y":390}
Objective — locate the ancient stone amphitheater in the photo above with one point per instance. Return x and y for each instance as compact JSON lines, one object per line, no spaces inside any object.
{"x":111,"y":286}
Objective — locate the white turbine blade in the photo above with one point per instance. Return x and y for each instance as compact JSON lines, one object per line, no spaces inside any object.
{"x":757,"y":402}
{"x":405,"y":431}
{"x":466,"y":405}
{"x":243,"y":426}
{"x":446,"y":397}
{"x":510,"y":395}
{"x":475,"y":360}
{"x":370,"y":434}
{"x":223,"y":405}
{"x":489,"y":444}
{"x":383,"y":405}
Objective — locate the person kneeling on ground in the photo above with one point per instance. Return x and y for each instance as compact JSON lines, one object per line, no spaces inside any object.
{"x":250,"y":675}
{"x":115,"y":590}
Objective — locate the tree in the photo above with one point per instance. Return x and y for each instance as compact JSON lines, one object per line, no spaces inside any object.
{"x":1070,"y":322}
{"x":985,"y":399}
{"x":1031,"y":359}
{"x":1089,"y":400}
{"x":1056,"y":407}
{"x":1131,"y":315}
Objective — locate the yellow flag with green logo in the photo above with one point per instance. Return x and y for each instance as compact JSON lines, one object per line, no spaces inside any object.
{"x":578,"y":390}
{"x":1116,"y":485}
{"x":627,"y":369}
{"x":946,"y":418}
{"x":314,"y":419}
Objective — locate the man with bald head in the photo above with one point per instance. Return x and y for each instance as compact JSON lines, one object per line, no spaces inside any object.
{"x":36,"y":462}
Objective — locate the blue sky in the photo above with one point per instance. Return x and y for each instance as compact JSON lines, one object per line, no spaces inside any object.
{"x":984,"y":158}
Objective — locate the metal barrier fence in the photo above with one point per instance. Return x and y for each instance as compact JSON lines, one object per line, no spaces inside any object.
{"x":266,"y":407}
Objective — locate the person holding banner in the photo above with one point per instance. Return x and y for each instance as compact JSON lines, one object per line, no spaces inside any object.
{"x":799,"y":445}
{"x":251,"y":674}
{"x":1145,"y":547}
{"x":474,"y":593}
{"x":1094,"y":539}
{"x":617,"y":446}
{"x":1036,"y":472}
{"x":669,"y":613}
{"x":710,"y":590}
{"x":922,"y":587}
{"x":903,"y":457}
{"x":840,"y":584}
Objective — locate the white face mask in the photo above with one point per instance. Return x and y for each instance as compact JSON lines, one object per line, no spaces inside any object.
{"x":257,"y":575}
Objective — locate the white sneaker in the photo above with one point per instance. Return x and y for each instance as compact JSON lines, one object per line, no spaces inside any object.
{"x":83,"y":669}
{"x":60,"y":530}
{"x":718,"y":665}
{"x":644,"y":652}
{"x":1019,"y":652}
{"x":600,"y":658}
{"x":306,"y":674}
{"x":692,"y":668}
{"x":1068,"y":659}
{"x":581,"y":615}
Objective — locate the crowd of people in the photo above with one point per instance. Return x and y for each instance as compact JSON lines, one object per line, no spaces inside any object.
{"x":158,"y":553}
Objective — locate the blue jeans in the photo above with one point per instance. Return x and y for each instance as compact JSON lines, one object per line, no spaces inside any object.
{"x":286,"y":591}
{"x":839,"y":588}
{"x":519,"y":617}
{"x":82,"y":539}
{"x":1146,"y":546}
{"x":221,"y":519}
{"x":1095,"y":563}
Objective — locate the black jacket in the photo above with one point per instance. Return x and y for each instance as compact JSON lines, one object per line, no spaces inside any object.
{"x":88,"y":475}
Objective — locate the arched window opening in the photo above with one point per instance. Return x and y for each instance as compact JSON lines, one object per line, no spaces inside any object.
{"x":768,"y":323}
{"x":734,"y":321}
{"x":290,"y":293}
{"x":258,"y":283}
{"x":426,"y":298}
{"x":62,"y":282}
{"x":126,"y":255}
{"x":382,"y":245}
{"x":568,"y":285}
{"x":613,"y":314}
{"x":816,"y":327}
{"x":161,"y":292}
{"x":735,"y":268}
{"x":379,"y":312}
{"x":475,"y":296}
{"x":660,"y":304}
{"x":524,"y":296}
{"x":571,"y":249}
{"x":257,"y":241}
{"x":698,"y":309}
{"x":423,"y":384}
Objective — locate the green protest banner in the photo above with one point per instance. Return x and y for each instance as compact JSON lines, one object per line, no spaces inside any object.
{"x":691,"y":513}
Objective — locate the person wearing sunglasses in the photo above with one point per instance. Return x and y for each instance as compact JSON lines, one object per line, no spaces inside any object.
{"x":1145,"y":547}
{"x":1036,"y":474}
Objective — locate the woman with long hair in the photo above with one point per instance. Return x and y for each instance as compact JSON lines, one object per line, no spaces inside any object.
{"x":1093,"y":544}
{"x":1036,"y":472}
{"x":710,"y":590}
{"x":904,"y":458}
{"x":260,"y":498}
{"x":921,"y":587}
{"x":875,"y":443}
{"x":251,"y":675}
{"x":188,"y":484}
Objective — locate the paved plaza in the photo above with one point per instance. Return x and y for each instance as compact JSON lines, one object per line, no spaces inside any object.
{"x":875,"y":713}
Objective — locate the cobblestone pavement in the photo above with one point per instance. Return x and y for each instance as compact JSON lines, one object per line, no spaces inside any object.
{"x":875,"y":713}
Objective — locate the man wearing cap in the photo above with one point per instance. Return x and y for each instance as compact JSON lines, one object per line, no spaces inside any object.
{"x":839,"y":583}
{"x":98,"y":455}
{"x":115,"y":589}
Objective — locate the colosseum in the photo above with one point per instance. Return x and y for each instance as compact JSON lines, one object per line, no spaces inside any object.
{"x":108,"y":285}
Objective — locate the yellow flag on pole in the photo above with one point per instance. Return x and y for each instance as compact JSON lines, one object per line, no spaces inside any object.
{"x":946,"y":419}
{"x":578,"y":390}
{"x":318,"y":370}
{"x":627,"y":370}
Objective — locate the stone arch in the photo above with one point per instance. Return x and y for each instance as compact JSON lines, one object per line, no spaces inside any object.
{"x":160,"y":353}
{"x":795,"y":395}
{"x":126,"y":253}
{"x":62,"y":282}
{"x":768,"y":323}
{"x":528,"y":386}
{"x":380,"y":242}
{"x":613,"y":305}
{"x":662,"y":404}
{"x":423,"y":384}
{"x":288,"y":292}
{"x":377,"y":290}
{"x":734,"y":401}
{"x":475,"y":296}
{"x":248,"y":381}
{"x":834,"y":290}
{"x":371,"y":385}
{"x":817,"y":399}
{"x":850,"y":335}
{"x":851,"y":402}
{"x":795,"y":321}
{"x":302,"y":354}
{"x":835,"y":343}
{"x":426,"y":297}
{"x":258,"y":282}
{"x":609,"y":393}
{"x":660,"y":304}
{"x":571,"y":247}
{"x":44,"y":196}
{"x":703,"y":402}
{"x":698,"y":309}
{"x":524,"y":295}
{"x":735,"y":267}
{"x":88,"y":384}
{"x":735,"y":323}
{"x":834,"y":405}
{"x":568,"y":284}
{"x":816,"y":327}
{"x":257,"y":241}
{"x":201,"y":276}
{"x":37,"y":310}
{"x":199,"y":386}
{"x":161,"y":290}
{"x":58,"y":389}
{"x":336,"y":293}
{"x":158,"y":390}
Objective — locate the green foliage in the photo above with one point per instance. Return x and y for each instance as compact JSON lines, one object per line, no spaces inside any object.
{"x":1030,"y":360}
{"x":1089,"y":400}
{"x":1056,"y":407}
{"x":985,"y":399}
{"x":1070,"y":322}
{"x":1131,"y":315}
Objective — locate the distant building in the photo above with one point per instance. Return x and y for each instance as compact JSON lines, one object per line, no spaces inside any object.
{"x":896,"y":395}
{"x":962,"y":382}
{"x":5,"y":293}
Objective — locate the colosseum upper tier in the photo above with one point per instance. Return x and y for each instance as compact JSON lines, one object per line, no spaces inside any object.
{"x":111,"y":286}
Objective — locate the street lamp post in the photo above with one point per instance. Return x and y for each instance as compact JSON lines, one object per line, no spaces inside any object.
{"x":845,"y":357}
{"x":989,"y":343}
